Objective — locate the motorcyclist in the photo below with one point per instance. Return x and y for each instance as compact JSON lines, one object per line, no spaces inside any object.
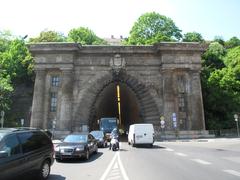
{"x":114,"y":135}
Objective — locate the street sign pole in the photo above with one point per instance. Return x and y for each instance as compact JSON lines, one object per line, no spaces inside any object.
{"x":236,"y":119}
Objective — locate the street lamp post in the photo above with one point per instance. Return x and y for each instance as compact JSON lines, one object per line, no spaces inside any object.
{"x":236,"y":119}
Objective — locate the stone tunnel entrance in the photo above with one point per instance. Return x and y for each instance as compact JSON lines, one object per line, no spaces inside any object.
{"x":75,"y":86}
{"x":106,"y":105}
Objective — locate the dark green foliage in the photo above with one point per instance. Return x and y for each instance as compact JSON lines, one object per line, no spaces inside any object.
{"x":221,"y":86}
{"x":192,"y":37}
{"x":233,"y":42}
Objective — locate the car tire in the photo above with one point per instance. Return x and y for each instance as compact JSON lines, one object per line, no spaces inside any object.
{"x":96,"y":151}
{"x":44,"y":170}
{"x":87,"y":155}
{"x":58,"y":160}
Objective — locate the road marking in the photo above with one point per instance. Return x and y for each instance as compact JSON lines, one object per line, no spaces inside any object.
{"x":236,"y":173}
{"x":115,"y":169}
{"x":201,"y":161}
{"x":180,"y":154}
{"x":168,"y":149}
{"x":108,"y":168}
{"x":122,"y":168}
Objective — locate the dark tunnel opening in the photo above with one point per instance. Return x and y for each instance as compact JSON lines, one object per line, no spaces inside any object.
{"x":107,"y":106}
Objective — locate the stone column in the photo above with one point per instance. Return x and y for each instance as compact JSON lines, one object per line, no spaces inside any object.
{"x":169,"y":97}
{"x":38,"y":99}
{"x":196,"y":108}
{"x":65,"y":101}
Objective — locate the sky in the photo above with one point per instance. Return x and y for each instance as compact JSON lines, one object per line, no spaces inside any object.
{"x":210,"y":18}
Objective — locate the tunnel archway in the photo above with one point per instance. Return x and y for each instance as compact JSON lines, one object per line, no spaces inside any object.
{"x":137,"y":106}
{"x":107,"y":106}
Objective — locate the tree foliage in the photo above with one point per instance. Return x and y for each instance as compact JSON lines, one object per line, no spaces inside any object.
{"x":151,"y":28}
{"x":233,"y":42}
{"x":192,"y":37}
{"x":221,"y":85}
{"x":16,"y":66}
{"x":84,"y":36}
{"x":48,"y":36}
{"x":213,"y":57}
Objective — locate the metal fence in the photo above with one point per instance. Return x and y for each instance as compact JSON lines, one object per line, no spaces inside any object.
{"x":224,"y":132}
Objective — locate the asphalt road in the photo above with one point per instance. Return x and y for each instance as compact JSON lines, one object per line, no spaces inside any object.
{"x":215,"y":159}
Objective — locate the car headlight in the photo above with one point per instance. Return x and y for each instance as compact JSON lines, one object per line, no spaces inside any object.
{"x":57,"y":148}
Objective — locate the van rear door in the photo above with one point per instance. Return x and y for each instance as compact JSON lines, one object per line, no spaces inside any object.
{"x":144,"y":134}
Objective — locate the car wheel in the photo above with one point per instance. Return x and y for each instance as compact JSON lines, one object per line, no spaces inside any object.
{"x":96,"y":151}
{"x":58,"y":160}
{"x":87,"y":155}
{"x":45,"y":170}
{"x":129,"y":143}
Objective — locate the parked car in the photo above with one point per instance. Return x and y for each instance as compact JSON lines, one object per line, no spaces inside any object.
{"x":100,"y":137}
{"x":80,"y":145}
{"x":141,"y":134}
{"x":25,"y":151}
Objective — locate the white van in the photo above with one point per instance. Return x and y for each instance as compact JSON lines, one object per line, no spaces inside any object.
{"x":141,"y":134}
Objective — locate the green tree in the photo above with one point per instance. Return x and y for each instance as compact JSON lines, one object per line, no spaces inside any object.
{"x":48,"y":36}
{"x":233,"y":42}
{"x":16,"y":66}
{"x":219,"y":39}
{"x":16,"y":60}
{"x":5,"y":91}
{"x":151,"y":28}
{"x":192,"y":37}
{"x":84,"y":36}
{"x":213,"y":57}
{"x":221,"y":85}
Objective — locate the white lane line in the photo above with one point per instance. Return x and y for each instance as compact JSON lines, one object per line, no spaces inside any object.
{"x":108,"y":168}
{"x":125,"y":177}
{"x":236,"y":173}
{"x":181,"y":154}
{"x":168,"y":149}
{"x":201,"y":161}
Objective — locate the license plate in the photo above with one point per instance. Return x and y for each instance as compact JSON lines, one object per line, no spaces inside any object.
{"x":139,"y":136}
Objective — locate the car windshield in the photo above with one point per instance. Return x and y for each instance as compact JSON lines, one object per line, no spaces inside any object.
{"x":75,"y":138}
{"x":97,"y":134}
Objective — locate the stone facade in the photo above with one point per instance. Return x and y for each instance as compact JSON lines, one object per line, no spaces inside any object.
{"x":71,"y":81}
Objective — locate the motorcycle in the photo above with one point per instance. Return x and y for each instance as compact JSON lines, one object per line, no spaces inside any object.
{"x":114,"y":143}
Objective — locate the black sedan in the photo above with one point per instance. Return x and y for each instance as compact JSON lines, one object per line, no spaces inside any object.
{"x":76,"y":146}
{"x":101,"y":138}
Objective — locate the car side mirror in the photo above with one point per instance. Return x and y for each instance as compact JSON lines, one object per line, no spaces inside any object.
{"x":3,"y":154}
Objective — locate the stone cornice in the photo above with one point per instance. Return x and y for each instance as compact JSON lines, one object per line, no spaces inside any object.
{"x":183,"y":46}
{"x":96,"y":49}
{"x":39,"y":48}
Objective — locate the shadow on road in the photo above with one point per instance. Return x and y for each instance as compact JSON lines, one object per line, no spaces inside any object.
{"x":77,"y":160}
{"x":149,"y":147}
{"x":56,"y":177}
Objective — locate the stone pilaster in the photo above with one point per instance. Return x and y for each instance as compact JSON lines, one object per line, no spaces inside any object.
{"x":65,"y":100}
{"x":169,"y":101}
{"x":38,"y":100}
{"x":196,"y":109}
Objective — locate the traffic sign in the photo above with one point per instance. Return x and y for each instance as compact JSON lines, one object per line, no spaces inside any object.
{"x":162,"y":122}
